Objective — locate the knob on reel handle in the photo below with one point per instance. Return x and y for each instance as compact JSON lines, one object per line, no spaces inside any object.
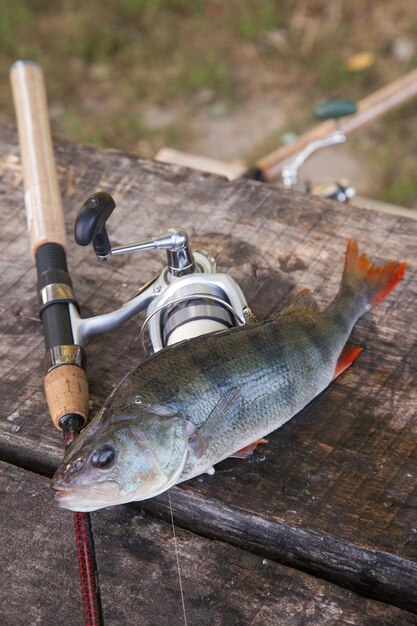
{"x":90,"y":225}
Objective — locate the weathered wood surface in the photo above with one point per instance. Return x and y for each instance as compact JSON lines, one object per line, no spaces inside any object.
{"x":334,"y":492}
{"x":222,"y":585}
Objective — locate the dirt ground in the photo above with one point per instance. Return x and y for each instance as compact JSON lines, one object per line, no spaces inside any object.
{"x":230,"y":80}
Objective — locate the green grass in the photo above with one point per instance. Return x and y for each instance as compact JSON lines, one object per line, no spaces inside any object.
{"x":402,"y":192}
{"x":332,"y":72}
{"x":194,"y":74}
{"x":16,"y":19}
{"x":258,"y":17}
{"x":108,"y":63}
{"x":149,"y":8}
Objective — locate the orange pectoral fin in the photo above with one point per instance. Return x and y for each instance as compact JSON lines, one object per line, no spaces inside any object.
{"x":346,"y":358}
{"x":247,"y":451}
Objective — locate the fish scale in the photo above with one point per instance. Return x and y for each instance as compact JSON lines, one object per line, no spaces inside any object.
{"x":193,"y":404}
{"x":275,"y":384}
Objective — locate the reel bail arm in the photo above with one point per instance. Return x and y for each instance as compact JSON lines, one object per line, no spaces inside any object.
{"x":330,"y":109}
{"x":90,"y":227}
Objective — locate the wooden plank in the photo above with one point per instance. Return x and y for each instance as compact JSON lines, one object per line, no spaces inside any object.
{"x":231,"y":171}
{"x":342,"y":471}
{"x":139,"y":577}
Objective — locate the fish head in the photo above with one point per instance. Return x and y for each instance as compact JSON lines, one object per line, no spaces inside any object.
{"x":121,"y":457}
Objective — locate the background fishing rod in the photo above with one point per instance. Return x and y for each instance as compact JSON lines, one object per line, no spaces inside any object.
{"x":377,"y":104}
{"x":283,"y":163}
{"x":66,"y":385}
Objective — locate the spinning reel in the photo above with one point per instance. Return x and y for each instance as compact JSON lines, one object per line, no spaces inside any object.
{"x":186,"y":298}
{"x":340,"y":190}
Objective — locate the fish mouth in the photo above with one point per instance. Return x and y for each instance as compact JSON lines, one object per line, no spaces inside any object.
{"x":86,"y":498}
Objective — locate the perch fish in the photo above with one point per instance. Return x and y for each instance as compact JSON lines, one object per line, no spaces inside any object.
{"x":194,"y":404}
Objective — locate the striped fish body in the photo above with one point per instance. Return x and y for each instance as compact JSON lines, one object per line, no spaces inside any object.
{"x":196,"y":403}
{"x":271,"y":370}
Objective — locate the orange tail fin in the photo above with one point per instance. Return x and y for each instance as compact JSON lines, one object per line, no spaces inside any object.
{"x":373,"y":281}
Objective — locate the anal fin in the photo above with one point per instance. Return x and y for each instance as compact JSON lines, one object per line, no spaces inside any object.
{"x":247,"y":451}
{"x":346,"y":358}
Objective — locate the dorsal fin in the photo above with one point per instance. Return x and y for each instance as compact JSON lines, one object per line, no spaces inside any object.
{"x":303,"y":300}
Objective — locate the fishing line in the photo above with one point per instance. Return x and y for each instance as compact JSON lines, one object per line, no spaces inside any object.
{"x":178,"y":559}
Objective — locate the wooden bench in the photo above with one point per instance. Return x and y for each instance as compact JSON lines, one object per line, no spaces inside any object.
{"x":320,"y":526}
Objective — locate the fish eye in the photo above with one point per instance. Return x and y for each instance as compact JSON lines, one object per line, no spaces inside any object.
{"x":103,"y":457}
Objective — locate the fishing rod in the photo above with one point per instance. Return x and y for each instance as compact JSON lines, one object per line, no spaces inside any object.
{"x":397,"y":93}
{"x":66,"y":386}
{"x":186,"y":298}
{"x":338,"y":117}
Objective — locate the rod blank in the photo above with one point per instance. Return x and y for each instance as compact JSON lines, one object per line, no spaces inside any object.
{"x":375,"y":105}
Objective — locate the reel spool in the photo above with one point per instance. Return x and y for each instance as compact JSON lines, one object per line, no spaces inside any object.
{"x":193,"y":317}
{"x":187,"y":298}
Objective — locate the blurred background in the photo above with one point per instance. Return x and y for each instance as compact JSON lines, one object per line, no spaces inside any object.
{"x":230,"y":80}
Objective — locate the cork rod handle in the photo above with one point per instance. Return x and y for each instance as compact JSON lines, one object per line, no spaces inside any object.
{"x":44,"y":212}
{"x":66,"y":390}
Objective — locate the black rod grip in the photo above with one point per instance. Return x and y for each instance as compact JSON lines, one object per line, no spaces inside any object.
{"x":51,"y":266}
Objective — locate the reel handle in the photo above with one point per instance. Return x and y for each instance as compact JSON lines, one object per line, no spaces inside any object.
{"x":90,"y":225}
{"x":334,"y":109}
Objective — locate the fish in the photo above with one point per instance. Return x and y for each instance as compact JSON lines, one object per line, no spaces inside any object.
{"x":193,"y":404}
